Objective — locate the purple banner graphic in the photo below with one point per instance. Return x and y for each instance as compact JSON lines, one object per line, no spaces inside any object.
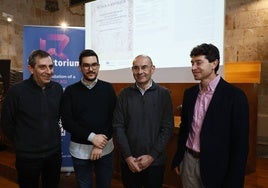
{"x":64,"y":45}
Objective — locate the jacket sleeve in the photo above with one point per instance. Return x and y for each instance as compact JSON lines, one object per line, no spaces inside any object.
{"x":166,"y":125}
{"x":239,"y":140}
{"x":182,"y":134}
{"x":120,"y":120}
{"x":68,"y":121}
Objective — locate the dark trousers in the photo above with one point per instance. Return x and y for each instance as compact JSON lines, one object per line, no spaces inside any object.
{"x":151,"y":177}
{"x":103,"y":169}
{"x":30,"y":170}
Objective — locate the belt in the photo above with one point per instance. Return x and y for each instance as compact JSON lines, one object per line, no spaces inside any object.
{"x":195,"y":154}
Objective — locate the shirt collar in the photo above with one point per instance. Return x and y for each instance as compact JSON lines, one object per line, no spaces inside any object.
{"x":32,"y":80}
{"x":212,"y":84}
{"x":143,"y":90}
{"x":89,"y":86}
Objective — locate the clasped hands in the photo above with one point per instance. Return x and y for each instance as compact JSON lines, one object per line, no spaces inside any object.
{"x":99,"y":142}
{"x":140,"y":163}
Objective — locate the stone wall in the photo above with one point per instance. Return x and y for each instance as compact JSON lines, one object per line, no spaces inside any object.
{"x":246,"y":37}
{"x":31,"y":12}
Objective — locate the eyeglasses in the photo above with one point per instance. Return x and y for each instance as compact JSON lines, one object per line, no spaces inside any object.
{"x":93,"y":65}
{"x":143,"y":68}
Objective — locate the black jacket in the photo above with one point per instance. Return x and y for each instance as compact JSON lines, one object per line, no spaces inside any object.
{"x":30,"y":117}
{"x":223,"y":137}
{"x":143,"y":124}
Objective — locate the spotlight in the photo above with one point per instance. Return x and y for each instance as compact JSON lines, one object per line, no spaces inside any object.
{"x":64,"y":25}
{"x":8,"y":17}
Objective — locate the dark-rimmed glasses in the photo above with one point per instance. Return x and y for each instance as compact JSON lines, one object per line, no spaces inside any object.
{"x":87,"y":65}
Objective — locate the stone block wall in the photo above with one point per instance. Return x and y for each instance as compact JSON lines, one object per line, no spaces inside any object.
{"x":31,"y":12}
{"x":246,"y":39}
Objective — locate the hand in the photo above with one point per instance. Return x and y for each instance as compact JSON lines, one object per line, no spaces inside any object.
{"x":100,"y":141}
{"x":144,"y":161}
{"x":177,"y":170}
{"x":95,"y":153}
{"x":132,"y":164}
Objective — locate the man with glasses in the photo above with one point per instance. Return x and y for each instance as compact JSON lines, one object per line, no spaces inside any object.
{"x":87,"y":111}
{"x":143,"y":124}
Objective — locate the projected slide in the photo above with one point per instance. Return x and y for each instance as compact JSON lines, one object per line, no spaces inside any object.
{"x":166,"y":30}
{"x":112,"y":32}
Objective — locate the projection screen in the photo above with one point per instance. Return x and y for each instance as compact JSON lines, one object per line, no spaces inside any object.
{"x":166,"y":30}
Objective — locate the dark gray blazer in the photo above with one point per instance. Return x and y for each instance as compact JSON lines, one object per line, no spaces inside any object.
{"x":223,"y":138}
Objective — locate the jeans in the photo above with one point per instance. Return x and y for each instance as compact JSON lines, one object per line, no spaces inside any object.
{"x":151,"y":177}
{"x":30,"y":170}
{"x":103,"y":169}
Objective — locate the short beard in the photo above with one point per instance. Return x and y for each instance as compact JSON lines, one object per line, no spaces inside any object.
{"x":89,"y":79}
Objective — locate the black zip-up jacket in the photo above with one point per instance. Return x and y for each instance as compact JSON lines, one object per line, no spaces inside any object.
{"x":30,"y":117}
{"x":143,"y":124}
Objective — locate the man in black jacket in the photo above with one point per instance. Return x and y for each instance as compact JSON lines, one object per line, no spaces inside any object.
{"x":30,"y":117}
{"x":213,"y":139}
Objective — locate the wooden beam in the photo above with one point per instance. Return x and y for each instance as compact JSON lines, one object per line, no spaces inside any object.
{"x":242,"y":72}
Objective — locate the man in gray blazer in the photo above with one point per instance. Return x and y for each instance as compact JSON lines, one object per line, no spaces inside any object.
{"x":213,"y":139}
